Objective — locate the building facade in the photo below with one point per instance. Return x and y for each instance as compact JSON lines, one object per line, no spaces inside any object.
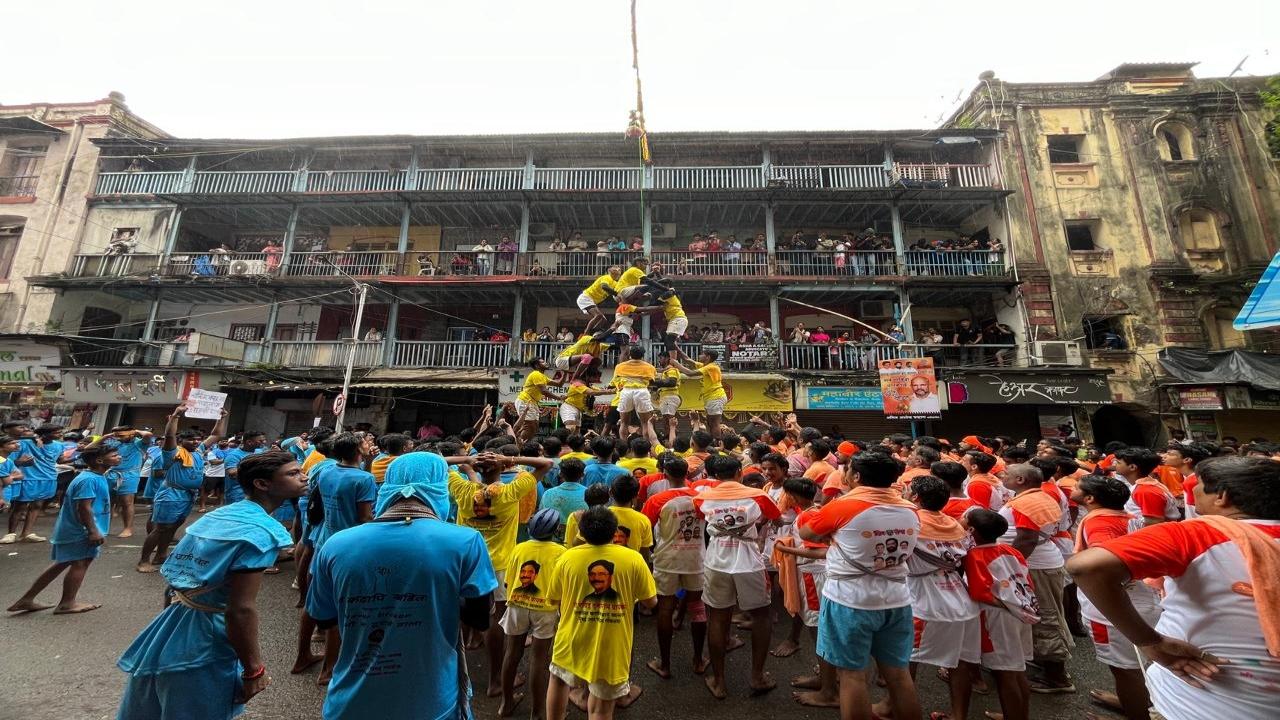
{"x":1145,"y":206}
{"x":243,"y":257}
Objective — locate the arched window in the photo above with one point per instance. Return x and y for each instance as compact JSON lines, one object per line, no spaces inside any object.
{"x":1199,"y":229}
{"x":1175,"y":141}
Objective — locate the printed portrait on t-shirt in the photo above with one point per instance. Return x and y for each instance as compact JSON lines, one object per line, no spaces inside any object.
{"x":622,"y":535}
{"x":600,"y":577}
{"x":890,"y":561}
{"x":528,"y":576}
{"x":891,"y":545}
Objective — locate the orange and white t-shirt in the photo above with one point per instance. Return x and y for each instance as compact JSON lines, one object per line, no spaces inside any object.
{"x":1062,"y":537}
{"x":997,"y":575}
{"x":938,"y":592}
{"x":988,"y":491}
{"x":677,"y":531}
{"x":1150,"y":498}
{"x":1208,"y":602}
{"x":873,"y":533}
{"x":959,"y":507}
{"x":1035,"y":510}
{"x":904,"y":480}
{"x":1189,"y":499}
{"x":734,"y":514}
{"x":1171,"y":478}
{"x":1096,"y":529}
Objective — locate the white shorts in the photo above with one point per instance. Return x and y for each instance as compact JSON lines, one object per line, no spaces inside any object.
{"x":541,"y":624}
{"x":669,"y":583}
{"x":812,"y":580}
{"x":628,"y":293}
{"x":602,"y":690}
{"x":715,"y":407}
{"x":748,"y":590}
{"x":527,"y":411}
{"x":1006,"y":641}
{"x":586,"y":304}
{"x":637,"y":399}
{"x":570,"y":414}
{"x":626,"y":323}
{"x":677,"y":326}
{"x":1112,"y":648}
{"x":669,"y":405}
{"x":945,"y":644}
{"x":562,"y":363}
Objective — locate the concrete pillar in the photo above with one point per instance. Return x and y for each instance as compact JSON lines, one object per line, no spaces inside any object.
{"x":522,"y":237}
{"x":528,"y":170}
{"x":189,"y":176}
{"x":269,"y":333}
{"x":770,"y":233}
{"x":775,"y":317}
{"x":171,"y":238}
{"x":517,"y":320}
{"x":766,"y":163}
{"x":646,"y":231}
{"x":149,"y":330}
{"x":899,"y":244}
{"x":402,"y":244}
{"x":291,"y":231}
{"x":389,"y":334}
{"x":411,"y":172}
{"x":904,"y":305}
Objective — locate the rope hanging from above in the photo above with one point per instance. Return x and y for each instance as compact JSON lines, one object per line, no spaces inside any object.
{"x":635,"y":126}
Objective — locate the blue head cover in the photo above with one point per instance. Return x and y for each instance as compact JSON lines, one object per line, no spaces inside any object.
{"x":417,"y":474}
{"x":543,"y":524}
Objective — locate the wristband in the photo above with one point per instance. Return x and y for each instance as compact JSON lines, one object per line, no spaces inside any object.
{"x":262,"y":670}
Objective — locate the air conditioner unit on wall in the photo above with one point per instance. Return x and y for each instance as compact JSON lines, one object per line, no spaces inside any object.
{"x":874,"y":309}
{"x":542,"y":230}
{"x":663,"y":230}
{"x":247,"y":267}
{"x":1057,"y":352}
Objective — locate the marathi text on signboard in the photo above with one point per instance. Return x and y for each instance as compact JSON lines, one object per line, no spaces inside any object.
{"x":843,"y":398}
{"x":1021,"y":388}
{"x":205,"y":404}
{"x":1200,"y":398}
{"x":746,"y":356}
{"x":26,"y":363}
{"x":909,"y":389}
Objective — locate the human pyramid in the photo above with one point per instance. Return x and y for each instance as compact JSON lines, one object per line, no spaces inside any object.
{"x":984,"y":559}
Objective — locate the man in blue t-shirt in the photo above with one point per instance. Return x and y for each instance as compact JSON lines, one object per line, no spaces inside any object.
{"x":601,"y":468}
{"x":378,"y":570}
{"x":567,"y":497}
{"x":182,"y":456}
{"x":252,"y":444}
{"x":132,"y":445}
{"x":37,"y":458}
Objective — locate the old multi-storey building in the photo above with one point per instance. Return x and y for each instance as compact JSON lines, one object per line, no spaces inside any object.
{"x":1145,"y":206}
{"x":233,"y":263}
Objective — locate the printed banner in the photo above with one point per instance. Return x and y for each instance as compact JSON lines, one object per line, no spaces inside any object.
{"x":843,"y":398}
{"x":909,"y":389}
{"x":764,"y":355}
{"x":205,"y":404}
{"x":1200,"y":398}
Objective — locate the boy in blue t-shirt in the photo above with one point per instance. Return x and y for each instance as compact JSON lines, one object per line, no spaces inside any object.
{"x":10,"y":475}
{"x":78,"y":535}
{"x":567,"y":497}
{"x":182,"y":456}
{"x":132,"y":445}
{"x":37,"y":457}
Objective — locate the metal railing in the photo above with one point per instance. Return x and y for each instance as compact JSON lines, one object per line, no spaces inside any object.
{"x":943,"y":175}
{"x":462,"y":263}
{"x":956,"y":263}
{"x":345,"y":181}
{"x":708,"y":178}
{"x":827,"y":263}
{"x":721,"y":263}
{"x":462,"y":179}
{"x":336,"y":263}
{"x":214,"y":264}
{"x":324,"y":353}
{"x":104,"y":265}
{"x":244,"y":181}
{"x":138,"y":183}
{"x":450,"y":354}
{"x":174,"y":354}
{"x":831,"y":177}
{"x":572,"y":263}
{"x":547,"y":352}
{"x":19,"y":185}
{"x":586,"y":179}
{"x":865,"y":357}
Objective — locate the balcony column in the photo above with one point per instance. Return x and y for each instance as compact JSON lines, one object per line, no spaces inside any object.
{"x":766,"y":163}
{"x":389,"y":335}
{"x":899,"y":245}
{"x":290,"y":231}
{"x":269,"y":332}
{"x":517,"y":319}
{"x":402,"y":245}
{"x":527,"y":182}
{"x":149,"y":330}
{"x":170,"y":239}
{"x":411,"y":172}
{"x":888,"y":159}
{"x":188,"y":182}
{"x":904,"y":315}
{"x":522,"y":236}
{"x":775,"y":317}
{"x":770,"y":241}
{"x":300,"y":177}
{"x":646,"y":230}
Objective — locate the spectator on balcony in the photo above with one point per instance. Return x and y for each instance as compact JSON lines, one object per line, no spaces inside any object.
{"x":426,"y":268}
{"x":617,"y":250}
{"x":220,"y":256}
{"x":799,"y":334}
{"x":714,"y":334}
{"x":918,"y":257}
{"x":819,"y":336}
{"x":544,"y":335}
{"x":529,"y":335}
{"x":274,"y":254}
{"x":966,"y":337}
{"x":373,"y":335}
{"x":602,"y":256}
{"x":932,"y":341}
{"x":565,"y":335}
{"x":697,"y":254}
{"x":825,"y":246}
{"x":577,"y":255}
{"x":461,"y":265}
{"x":1001,"y":334}
{"x":507,"y":255}
{"x":498,"y":337}
{"x":203,"y":266}
{"x":733,"y":255}
{"x":841,"y":255}
{"x":896,"y":335}
{"x":557,"y":245}
{"x":484,"y":257}
{"x":637,"y":244}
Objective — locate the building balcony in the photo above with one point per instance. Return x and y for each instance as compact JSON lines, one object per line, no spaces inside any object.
{"x":577,"y":179}
{"x":860,"y":357}
{"x":467,"y":266}
{"x":21,"y":186}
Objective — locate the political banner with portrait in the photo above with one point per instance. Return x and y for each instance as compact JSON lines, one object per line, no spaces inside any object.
{"x":909,"y":389}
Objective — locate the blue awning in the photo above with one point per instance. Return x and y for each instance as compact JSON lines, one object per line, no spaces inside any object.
{"x":1262,"y":309}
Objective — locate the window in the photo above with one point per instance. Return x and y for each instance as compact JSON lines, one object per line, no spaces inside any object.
{"x":247,"y":332}
{"x":23,"y":160}
{"x":1081,"y":235}
{"x":1199,"y":230}
{"x":1065,"y":148}
{"x":1175,"y":142}
{"x":1105,"y":332}
{"x":10,"y":236}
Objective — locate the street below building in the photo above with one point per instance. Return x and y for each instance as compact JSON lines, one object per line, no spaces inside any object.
{"x":63,"y":667}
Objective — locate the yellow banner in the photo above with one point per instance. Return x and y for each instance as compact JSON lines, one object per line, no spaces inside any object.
{"x":755,"y":395}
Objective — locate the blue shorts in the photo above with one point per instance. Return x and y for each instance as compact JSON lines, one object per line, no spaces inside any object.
{"x":128,"y":484}
{"x":848,"y":637}
{"x":37,"y":490}
{"x":72,"y":551}
{"x":11,"y":492}
{"x":205,"y":692}
{"x":170,"y":512}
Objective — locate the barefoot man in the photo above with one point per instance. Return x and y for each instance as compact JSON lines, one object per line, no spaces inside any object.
{"x":132,"y":445}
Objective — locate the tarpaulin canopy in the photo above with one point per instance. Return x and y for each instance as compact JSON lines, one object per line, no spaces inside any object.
{"x":1222,"y":366}
{"x":1262,"y":309}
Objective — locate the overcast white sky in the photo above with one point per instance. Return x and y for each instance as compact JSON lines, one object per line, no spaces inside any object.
{"x":271,"y":68}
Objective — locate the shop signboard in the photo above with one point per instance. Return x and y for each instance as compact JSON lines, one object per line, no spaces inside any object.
{"x":998,"y":387}
{"x":831,"y":397}
{"x":763,"y":355}
{"x":137,"y":387}
{"x":909,"y":389}
{"x":23,"y":362}
{"x":1200,"y":398}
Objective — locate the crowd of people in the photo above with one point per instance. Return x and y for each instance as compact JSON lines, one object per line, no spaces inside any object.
{"x":984,"y":559}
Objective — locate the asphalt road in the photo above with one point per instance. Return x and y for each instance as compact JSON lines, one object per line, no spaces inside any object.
{"x":63,"y":667}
